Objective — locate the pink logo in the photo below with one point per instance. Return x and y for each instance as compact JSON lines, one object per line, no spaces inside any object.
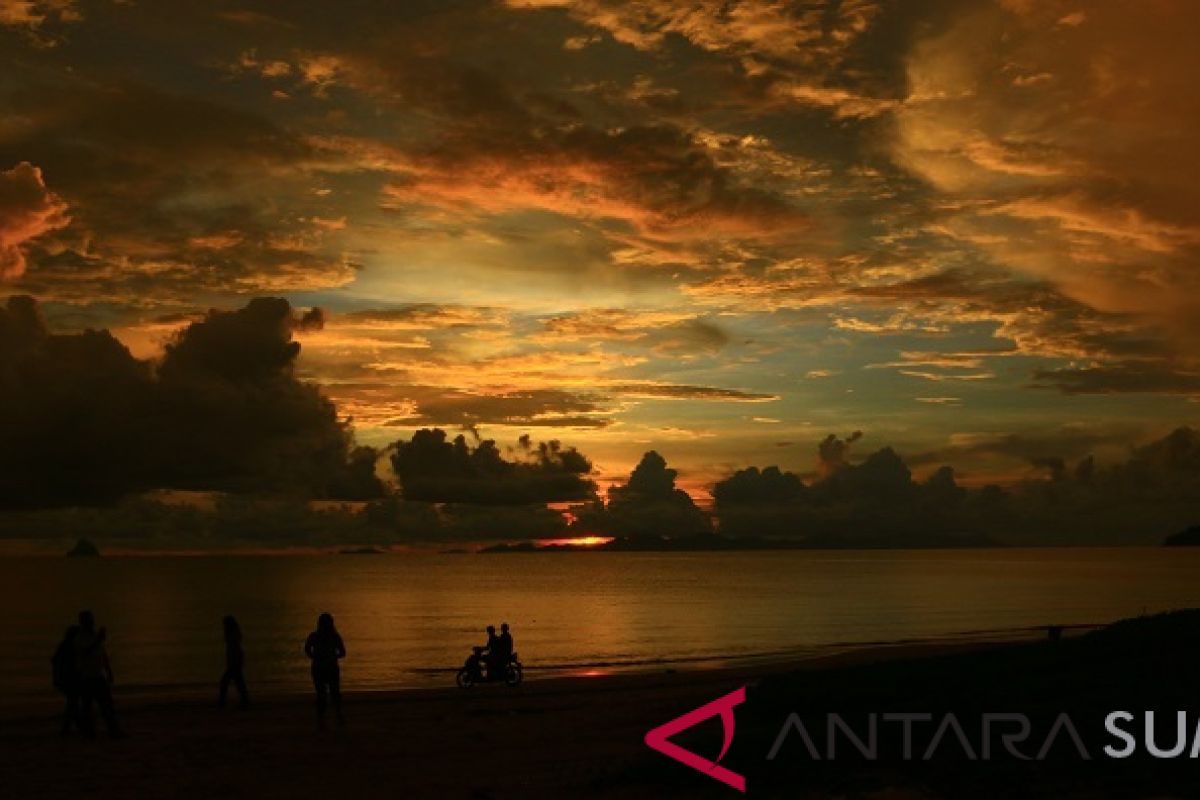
{"x":657,"y":738}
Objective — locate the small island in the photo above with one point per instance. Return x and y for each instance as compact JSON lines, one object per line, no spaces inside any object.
{"x":1185,"y":538}
{"x":84,"y":548}
{"x":366,"y":550}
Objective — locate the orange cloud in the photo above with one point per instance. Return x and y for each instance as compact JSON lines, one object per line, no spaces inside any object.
{"x":27,"y":210}
{"x":1066,"y":142}
{"x":35,"y":13}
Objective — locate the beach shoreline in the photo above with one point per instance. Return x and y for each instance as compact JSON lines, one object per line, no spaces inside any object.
{"x":559,"y":736}
{"x":583,"y":737}
{"x":799,"y":658}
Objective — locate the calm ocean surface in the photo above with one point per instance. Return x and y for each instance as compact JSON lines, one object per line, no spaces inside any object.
{"x":409,"y":620}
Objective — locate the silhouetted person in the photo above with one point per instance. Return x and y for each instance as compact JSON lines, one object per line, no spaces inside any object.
{"x":95,"y":676}
{"x":66,"y":678}
{"x":324,"y":647}
{"x":505,"y":645}
{"x":235,"y":659}
{"x":495,"y":669}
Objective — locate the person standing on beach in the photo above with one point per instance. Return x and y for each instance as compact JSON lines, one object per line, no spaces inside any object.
{"x":66,"y":678}
{"x":325,"y":648}
{"x":95,"y":676}
{"x":235,"y":659}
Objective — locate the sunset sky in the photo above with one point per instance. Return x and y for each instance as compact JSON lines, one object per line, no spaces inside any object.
{"x":722,"y":230}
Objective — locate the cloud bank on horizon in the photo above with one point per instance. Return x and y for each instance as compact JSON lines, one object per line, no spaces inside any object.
{"x":718,"y":230}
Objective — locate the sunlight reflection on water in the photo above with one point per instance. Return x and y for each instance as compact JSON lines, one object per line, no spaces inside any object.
{"x":409,"y":619}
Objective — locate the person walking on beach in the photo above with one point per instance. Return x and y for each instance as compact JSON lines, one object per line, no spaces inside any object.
{"x":324,"y":647}
{"x":66,"y":679}
{"x":95,"y":676}
{"x":235,"y":659}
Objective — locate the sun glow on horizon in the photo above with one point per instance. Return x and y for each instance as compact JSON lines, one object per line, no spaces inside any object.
{"x":576,"y":541}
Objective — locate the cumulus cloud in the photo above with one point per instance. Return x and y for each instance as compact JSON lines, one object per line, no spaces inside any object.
{"x":1070,"y":497}
{"x":832,"y":453}
{"x":27,"y":210}
{"x":647,"y":505}
{"x":433,"y":468}
{"x":752,"y":486}
{"x":86,"y":422}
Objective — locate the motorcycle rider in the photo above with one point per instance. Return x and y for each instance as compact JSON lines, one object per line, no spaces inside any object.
{"x":505,"y":645}
{"x":495,"y":666}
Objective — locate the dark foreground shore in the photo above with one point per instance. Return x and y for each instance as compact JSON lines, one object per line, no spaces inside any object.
{"x":583,"y":737}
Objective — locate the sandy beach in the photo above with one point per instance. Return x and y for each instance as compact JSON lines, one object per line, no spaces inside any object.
{"x":582,"y":737}
{"x":559,"y":737}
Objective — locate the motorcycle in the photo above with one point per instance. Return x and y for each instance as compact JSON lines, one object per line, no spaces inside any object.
{"x":475,"y":671}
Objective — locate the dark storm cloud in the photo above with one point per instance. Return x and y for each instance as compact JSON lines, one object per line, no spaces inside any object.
{"x":71,"y":427}
{"x":250,"y":424}
{"x":86,"y":422}
{"x":433,"y":468}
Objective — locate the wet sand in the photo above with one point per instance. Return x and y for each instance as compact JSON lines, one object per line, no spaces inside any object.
{"x":553,"y":738}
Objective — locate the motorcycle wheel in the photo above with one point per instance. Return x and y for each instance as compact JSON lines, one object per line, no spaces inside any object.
{"x":464,"y":679}
{"x":514,"y":675}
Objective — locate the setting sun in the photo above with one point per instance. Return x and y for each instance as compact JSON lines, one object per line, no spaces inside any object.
{"x":577,"y":541}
